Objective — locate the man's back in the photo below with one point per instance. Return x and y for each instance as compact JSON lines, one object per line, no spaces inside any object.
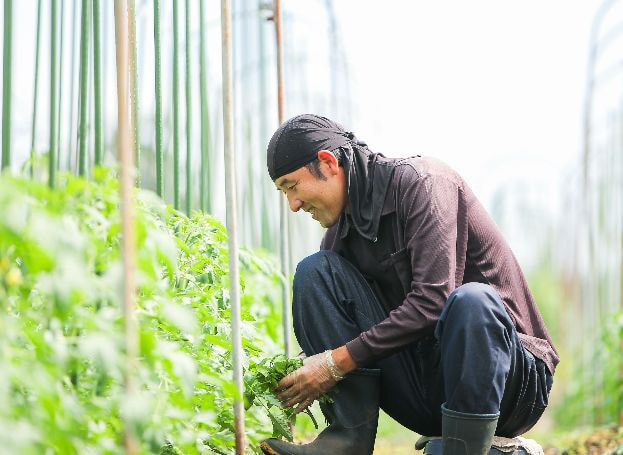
{"x":434,"y":236}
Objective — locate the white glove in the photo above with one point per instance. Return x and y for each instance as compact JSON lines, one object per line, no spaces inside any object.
{"x":316,"y":377}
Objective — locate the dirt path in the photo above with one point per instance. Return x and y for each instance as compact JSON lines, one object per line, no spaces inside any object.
{"x":602,"y":441}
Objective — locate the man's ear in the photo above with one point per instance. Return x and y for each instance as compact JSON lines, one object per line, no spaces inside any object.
{"x":329,"y":159}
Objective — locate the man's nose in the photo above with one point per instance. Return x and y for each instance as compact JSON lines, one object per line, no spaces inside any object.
{"x":295,"y":203}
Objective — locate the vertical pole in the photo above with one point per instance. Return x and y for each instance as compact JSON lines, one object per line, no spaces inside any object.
{"x":204,"y":190}
{"x":189,"y":123}
{"x":283,"y":206}
{"x":84,"y":73}
{"x":158,"y":90}
{"x":59,"y":117}
{"x":52,"y":152}
{"x":176,"y":95}
{"x":6,"y":83}
{"x":127,"y":210}
{"x":97,"y":76}
{"x":267,"y":240}
{"x":34,"y":100}
{"x":230,"y":190}
{"x":70,"y":140}
{"x":136,"y":141}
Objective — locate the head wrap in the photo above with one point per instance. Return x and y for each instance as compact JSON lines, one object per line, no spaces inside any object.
{"x":297,"y":142}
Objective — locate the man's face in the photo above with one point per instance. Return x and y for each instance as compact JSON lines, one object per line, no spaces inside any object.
{"x":326,"y":199}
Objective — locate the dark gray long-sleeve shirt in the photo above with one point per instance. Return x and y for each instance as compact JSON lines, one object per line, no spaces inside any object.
{"x":434,"y":235}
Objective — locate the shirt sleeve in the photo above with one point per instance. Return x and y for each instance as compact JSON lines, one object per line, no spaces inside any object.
{"x":431,"y":212}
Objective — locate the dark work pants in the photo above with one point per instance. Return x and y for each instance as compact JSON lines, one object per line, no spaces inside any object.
{"x":474,"y":363}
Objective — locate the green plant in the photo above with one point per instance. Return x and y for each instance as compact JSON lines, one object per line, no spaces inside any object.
{"x":62,"y":351}
{"x":260,"y":382}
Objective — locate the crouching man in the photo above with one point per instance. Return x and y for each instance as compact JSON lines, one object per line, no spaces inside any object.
{"x":415,"y":303}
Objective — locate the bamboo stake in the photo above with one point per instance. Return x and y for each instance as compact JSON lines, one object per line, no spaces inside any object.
{"x":34,"y":100}
{"x":53,"y":113}
{"x":176,"y":139}
{"x":127,"y":211}
{"x":283,"y":206}
{"x":84,"y":73}
{"x":204,"y":192}
{"x":158,"y":90}
{"x":134,"y":89}
{"x":97,"y":76}
{"x":6,"y":83}
{"x":232,"y":228}
{"x":188,"y":113}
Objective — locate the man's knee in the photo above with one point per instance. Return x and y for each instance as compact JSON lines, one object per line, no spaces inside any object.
{"x":472,"y":298}
{"x":472,"y":305}
{"x":314,"y":265}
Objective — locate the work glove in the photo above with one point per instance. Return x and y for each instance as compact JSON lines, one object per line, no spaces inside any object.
{"x":316,"y":377}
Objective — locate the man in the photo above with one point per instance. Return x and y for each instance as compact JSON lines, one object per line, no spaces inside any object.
{"x":414,"y":304}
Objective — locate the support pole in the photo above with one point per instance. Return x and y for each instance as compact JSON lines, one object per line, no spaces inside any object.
{"x":176,"y":117}
{"x":84,"y":76}
{"x":230,"y":192}
{"x":189,"y":123}
{"x":53,"y":113}
{"x":158,"y":90}
{"x":6,"y":83}
{"x":97,"y":75}
{"x":136,"y":139}
{"x":126,"y":158}
{"x":71,"y":144}
{"x":283,"y":205}
{"x":34,"y":100}
{"x":204,"y":186}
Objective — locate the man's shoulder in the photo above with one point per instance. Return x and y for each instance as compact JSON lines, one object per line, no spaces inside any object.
{"x":416,"y":168}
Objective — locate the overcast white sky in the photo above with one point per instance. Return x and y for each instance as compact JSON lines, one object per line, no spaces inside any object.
{"x":483,"y":84}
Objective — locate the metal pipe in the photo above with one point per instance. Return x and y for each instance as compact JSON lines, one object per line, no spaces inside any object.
{"x":127,"y":211}
{"x":70,"y":140}
{"x":158,"y":90}
{"x":283,"y":206}
{"x":189,"y":123}
{"x":6,"y":83}
{"x":52,"y":151}
{"x":204,"y":192}
{"x":232,"y":228}
{"x":59,"y":126}
{"x":84,"y":74}
{"x":135,"y":122}
{"x":34,"y":100}
{"x":176,"y":96}
{"x":97,"y":70}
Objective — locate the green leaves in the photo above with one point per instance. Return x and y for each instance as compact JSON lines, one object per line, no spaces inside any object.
{"x":260,"y":381}
{"x":62,"y":350}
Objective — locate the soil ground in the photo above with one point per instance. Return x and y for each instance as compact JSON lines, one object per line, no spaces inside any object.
{"x":394,"y":440}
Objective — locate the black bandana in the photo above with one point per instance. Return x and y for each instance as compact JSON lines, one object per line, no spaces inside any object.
{"x":297,"y":142}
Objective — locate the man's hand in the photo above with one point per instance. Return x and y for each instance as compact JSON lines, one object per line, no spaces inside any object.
{"x":317,"y":376}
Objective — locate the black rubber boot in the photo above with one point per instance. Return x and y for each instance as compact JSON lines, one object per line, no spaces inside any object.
{"x":466,"y":434}
{"x":352,"y":417}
